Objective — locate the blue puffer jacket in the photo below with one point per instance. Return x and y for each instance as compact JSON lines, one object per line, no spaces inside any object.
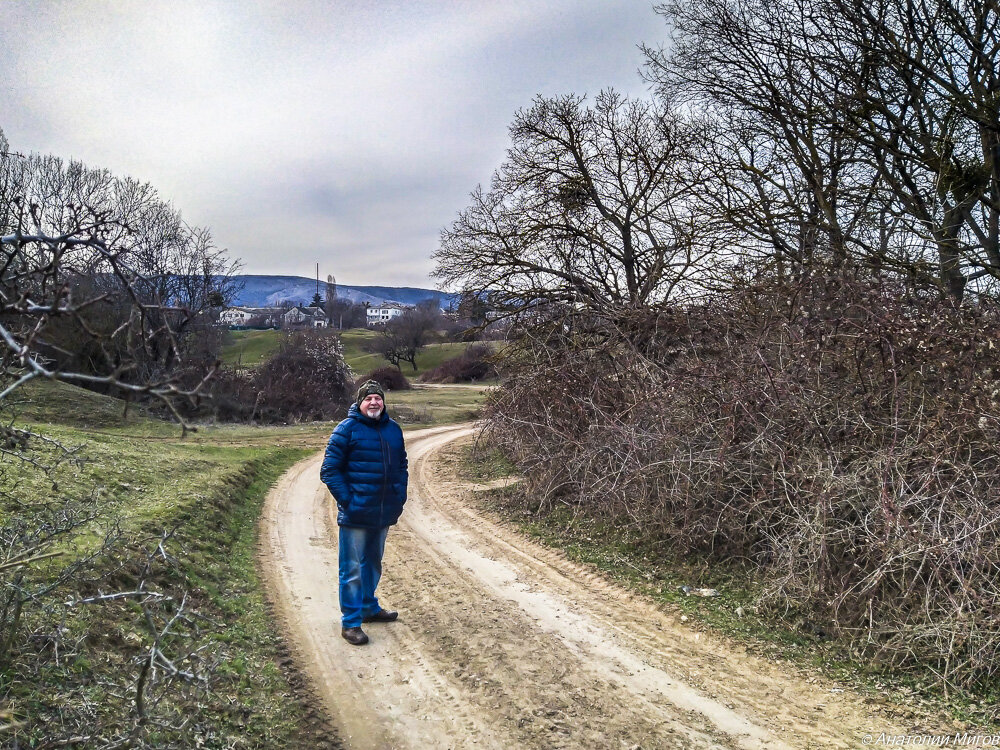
{"x":365,"y":469}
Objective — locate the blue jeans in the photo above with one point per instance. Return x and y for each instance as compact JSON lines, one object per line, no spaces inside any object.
{"x":360,"y":569}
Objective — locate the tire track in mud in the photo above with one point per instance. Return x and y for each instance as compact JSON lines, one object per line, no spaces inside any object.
{"x":504,"y":643}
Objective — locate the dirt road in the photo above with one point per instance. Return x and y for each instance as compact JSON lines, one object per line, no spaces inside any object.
{"x":502,"y":643}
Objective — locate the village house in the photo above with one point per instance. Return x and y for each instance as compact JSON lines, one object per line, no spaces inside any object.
{"x":304,"y":317}
{"x":382,"y":314}
{"x":251,"y":317}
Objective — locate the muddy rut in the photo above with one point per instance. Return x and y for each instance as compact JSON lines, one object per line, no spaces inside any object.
{"x":502,"y":643}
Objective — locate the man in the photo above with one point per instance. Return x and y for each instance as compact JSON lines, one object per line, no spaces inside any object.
{"x":365,"y":468}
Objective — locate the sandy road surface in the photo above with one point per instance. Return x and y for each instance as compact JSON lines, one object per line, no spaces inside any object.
{"x":502,"y":643}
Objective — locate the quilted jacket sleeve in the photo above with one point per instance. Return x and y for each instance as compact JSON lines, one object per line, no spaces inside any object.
{"x":334,"y":471}
{"x":404,"y":472}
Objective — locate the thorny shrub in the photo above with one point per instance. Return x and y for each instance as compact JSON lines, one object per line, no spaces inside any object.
{"x":475,"y":363}
{"x":307,"y":379}
{"x":838,"y":435}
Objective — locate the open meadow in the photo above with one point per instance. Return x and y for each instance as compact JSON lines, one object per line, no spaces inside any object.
{"x":251,"y":348}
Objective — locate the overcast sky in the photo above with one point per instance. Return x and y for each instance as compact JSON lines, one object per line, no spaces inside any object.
{"x":343,"y":133}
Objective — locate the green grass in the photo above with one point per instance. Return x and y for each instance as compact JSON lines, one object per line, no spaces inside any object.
{"x":428,"y":407}
{"x":358,"y":341}
{"x":253,"y":680}
{"x":139,"y":477}
{"x":428,"y":358}
{"x":250,"y":348}
{"x":57,"y":402}
{"x":355,"y":341}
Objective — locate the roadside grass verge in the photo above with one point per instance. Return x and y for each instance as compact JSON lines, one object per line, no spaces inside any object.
{"x":73,"y":671}
{"x":658,"y":573}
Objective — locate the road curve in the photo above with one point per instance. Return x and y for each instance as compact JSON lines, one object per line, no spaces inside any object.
{"x":502,"y":643}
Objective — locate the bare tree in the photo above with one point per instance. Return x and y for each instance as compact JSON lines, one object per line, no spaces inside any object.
{"x":928,"y":116}
{"x":593,"y":207}
{"x":402,"y":338}
{"x":786,"y":175}
{"x":83,"y":300}
{"x":855,"y":130}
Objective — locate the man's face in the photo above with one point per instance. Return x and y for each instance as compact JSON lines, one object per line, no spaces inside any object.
{"x":372,"y":405}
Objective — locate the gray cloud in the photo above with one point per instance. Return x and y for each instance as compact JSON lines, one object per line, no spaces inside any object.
{"x":346,"y":133}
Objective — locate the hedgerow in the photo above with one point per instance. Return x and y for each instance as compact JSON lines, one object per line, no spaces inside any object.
{"x":837,"y":435}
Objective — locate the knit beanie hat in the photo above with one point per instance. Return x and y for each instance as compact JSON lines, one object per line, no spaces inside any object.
{"x":368,"y":389}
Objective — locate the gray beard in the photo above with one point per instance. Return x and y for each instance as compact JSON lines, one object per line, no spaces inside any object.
{"x":372,"y":413}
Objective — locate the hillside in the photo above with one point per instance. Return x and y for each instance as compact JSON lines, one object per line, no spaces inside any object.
{"x":251,"y":348}
{"x":261,"y":291}
{"x":102,"y":490}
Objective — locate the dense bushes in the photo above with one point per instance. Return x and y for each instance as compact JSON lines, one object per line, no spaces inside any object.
{"x":390,"y":378}
{"x":305,"y":380}
{"x":838,"y":435}
{"x":475,"y":363}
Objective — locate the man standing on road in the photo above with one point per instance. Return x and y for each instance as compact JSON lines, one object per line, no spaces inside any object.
{"x":365,"y":468}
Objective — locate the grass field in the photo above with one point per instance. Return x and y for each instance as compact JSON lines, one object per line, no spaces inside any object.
{"x":357,"y":341}
{"x":132,"y":478}
{"x":428,"y":358}
{"x":250,"y":348}
{"x":428,"y":406}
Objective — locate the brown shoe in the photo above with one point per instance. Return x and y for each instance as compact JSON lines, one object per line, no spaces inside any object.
{"x":354,"y":636}
{"x":383,"y":615}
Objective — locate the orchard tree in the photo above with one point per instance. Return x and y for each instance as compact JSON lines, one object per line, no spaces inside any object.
{"x":403,"y":337}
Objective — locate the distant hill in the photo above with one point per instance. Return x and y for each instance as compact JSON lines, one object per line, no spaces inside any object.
{"x":264,"y":291}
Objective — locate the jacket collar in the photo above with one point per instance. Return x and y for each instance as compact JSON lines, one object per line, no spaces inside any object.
{"x":355,"y":413}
